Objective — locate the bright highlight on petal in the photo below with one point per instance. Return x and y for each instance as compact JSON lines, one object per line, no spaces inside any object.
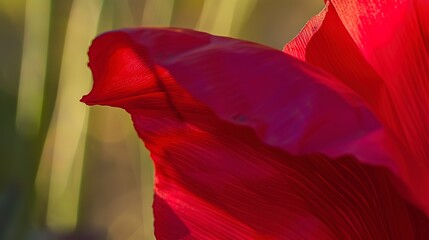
{"x":251,"y":143}
{"x":380,"y":50}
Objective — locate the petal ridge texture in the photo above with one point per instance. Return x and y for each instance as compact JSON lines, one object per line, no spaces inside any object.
{"x":327,"y":141}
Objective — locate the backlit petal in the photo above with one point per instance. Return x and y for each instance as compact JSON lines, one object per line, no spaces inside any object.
{"x":380,"y":50}
{"x":208,"y":108}
{"x":288,"y":103}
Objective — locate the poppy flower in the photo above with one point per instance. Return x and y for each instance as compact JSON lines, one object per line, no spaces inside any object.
{"x":325,"y":140}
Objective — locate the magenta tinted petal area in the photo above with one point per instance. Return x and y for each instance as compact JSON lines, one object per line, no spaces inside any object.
{"x":287,"y":102}
{"x":379,"y":49}
{"x":250,"y":143}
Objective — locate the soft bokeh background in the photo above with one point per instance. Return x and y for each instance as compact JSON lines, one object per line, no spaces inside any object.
{"x":68,"y":171}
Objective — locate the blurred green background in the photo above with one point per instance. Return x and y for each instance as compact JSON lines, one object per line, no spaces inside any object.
{"x":68,"y":171}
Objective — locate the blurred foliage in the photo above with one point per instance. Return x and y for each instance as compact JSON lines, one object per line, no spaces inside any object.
{"x":70,"y":172}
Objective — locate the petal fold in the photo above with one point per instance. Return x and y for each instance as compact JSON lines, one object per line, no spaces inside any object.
{"x":236,"y":129}
{"x":379,"y":49}
{"x":288,"y":103}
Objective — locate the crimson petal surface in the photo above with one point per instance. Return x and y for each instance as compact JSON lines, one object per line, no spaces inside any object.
{"x":249,"y":143}
{"x":380,"y":50}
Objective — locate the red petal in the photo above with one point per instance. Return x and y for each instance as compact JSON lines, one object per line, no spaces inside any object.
{"x":217,"y":180}
{"x":288,"y":103}
{"x":380,"y":50}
